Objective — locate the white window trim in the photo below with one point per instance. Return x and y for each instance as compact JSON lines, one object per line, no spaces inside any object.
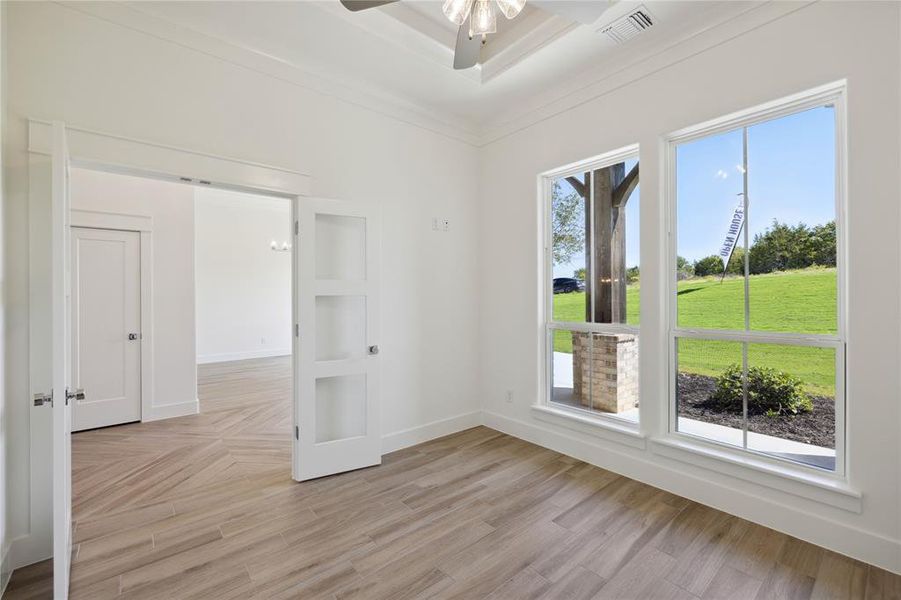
{"x":624,"y":430}
{"x":834,"y":93}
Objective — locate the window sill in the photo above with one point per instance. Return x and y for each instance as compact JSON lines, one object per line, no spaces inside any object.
{"x":799,"y":482}
{"x":623,"y":433}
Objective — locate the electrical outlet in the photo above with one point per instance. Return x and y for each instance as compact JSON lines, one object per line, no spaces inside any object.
{"x":445,"y":225}
{"x":509,"y":397}
{"x":434,"y":223}
{"x":262,"y":341}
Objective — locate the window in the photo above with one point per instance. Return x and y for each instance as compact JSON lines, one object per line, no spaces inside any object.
{"x":592,"y":286}
{"x":757,"y":331}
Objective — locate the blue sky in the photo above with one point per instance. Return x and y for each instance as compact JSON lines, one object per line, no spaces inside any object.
{"x":791,"y":177}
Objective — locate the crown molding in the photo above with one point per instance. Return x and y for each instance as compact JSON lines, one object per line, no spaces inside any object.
{"x":642,"y":62}
{"x":521,"y":43}
{"x":664,"y":53}
{"x":132,"y":17}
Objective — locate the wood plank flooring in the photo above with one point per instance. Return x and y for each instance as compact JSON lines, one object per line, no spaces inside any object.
{"x":204,"y":507}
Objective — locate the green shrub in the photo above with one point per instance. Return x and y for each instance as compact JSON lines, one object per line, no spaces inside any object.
{"x":770,"y":392}
{"x":709,"y":265}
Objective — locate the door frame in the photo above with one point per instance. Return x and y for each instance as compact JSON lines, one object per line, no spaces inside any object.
{"x":142,"y":225}
{"x":103,"y":151}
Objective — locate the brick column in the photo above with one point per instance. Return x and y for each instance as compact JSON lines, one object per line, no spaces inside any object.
{"x":607,"y":365}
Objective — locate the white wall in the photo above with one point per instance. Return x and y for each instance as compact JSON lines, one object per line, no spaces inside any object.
{"x":814,"y":45}
{"x":243,"y":286}
{"x":96,"y":74}
{"x":170,"y":206}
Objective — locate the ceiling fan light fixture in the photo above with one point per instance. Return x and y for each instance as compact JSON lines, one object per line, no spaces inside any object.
{"x":484,"y":19}
{"x":511,"y":8}
{"x":457,"y":10}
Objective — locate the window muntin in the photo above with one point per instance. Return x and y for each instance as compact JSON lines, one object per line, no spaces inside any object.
{"x":771,"y":309}
{"x":592,"y":287}
{"x":790,"y":164}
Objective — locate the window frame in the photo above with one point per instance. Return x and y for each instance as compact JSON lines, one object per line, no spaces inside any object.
{"x":548,"y":324}
{"x":834,"y":94}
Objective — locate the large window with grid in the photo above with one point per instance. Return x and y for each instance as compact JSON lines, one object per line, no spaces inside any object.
{"x":757,"y":332}
{"x":592,"y":280}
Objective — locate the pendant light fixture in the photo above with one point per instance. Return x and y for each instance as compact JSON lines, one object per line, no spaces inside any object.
{"x":482,"y":14}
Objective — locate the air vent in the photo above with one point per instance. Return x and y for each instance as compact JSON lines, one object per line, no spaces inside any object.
{"x":627,"y":27}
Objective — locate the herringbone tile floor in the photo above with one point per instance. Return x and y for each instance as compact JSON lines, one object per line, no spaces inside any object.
{"x":204,"y":507}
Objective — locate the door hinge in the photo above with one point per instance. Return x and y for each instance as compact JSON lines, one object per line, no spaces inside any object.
{"x":42,"y":399}
{"x":297,"y":432}
{"x":296,"y":227}
{"x":76,"y":395}
{"x":297,"y":330}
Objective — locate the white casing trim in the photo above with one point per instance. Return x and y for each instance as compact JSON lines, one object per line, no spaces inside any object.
{"x":105,"y":151}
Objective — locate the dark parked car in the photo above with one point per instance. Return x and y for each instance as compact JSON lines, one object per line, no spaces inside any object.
{"x":565,"y":285}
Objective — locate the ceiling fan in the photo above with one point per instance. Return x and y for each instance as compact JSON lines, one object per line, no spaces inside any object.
{"x":478,"y":18}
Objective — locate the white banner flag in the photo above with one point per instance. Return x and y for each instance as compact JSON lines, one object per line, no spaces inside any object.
{"x":731,"y":239}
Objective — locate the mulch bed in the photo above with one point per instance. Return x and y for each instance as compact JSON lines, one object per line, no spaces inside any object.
{"x":816,"y":427}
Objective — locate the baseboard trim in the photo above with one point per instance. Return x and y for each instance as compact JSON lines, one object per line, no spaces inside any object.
{"x":862,"y":545}
{"x":6,"y":570}
{"x":28,"y":549}
{"x":424,"y":433}
{"x":230,"y":356}
{"x":169,"y":411}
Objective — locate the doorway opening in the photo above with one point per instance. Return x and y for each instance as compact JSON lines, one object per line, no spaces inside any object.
{"x":180,"y":463}
{"x":243,"y":276}
{"x":181,"y":329}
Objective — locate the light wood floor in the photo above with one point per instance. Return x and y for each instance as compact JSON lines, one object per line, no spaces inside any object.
{"x":204,"y":507}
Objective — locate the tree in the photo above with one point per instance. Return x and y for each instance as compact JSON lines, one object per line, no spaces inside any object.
{"x":568,"y":224}
{"x":580,"y":274}
{"x":784,"y":247}
{"x":822,"y":242}
{"x":709,"y":265}
{"x":736,"y":264}
{"x":633,"y":274}
{"x":684,"y":268}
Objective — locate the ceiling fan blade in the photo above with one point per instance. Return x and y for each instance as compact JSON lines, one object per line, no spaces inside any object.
{"x":467,"y":50}
{"x":357,"y":5}
{"x":580,"y":11}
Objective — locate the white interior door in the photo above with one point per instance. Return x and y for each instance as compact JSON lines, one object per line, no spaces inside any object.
{"x":60,"y":325}
{"x":106,"y":326}
{"x":337,"y":395}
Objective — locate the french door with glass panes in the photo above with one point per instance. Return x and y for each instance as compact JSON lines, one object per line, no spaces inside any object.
{"x":336,"y":339}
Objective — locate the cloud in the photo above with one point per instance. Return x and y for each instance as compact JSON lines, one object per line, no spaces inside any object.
{"x":720,"y":174}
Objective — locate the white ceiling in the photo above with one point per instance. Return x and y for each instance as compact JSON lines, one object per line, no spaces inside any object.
{"x":403,"y":52}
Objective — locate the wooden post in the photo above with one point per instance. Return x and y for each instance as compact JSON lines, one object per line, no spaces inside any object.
{"x":605,"y":240}
{"x":609,"y":260}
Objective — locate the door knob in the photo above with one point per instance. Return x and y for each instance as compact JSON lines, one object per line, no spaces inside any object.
{"x":77,"y":394}
{"x":373,"y":350}
{"x":134,"y":336}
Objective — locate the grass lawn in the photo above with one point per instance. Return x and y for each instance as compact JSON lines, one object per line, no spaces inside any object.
{"x":795,"y":301}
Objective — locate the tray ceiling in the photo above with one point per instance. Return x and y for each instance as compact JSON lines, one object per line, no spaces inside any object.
{"x":403,"y":52}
